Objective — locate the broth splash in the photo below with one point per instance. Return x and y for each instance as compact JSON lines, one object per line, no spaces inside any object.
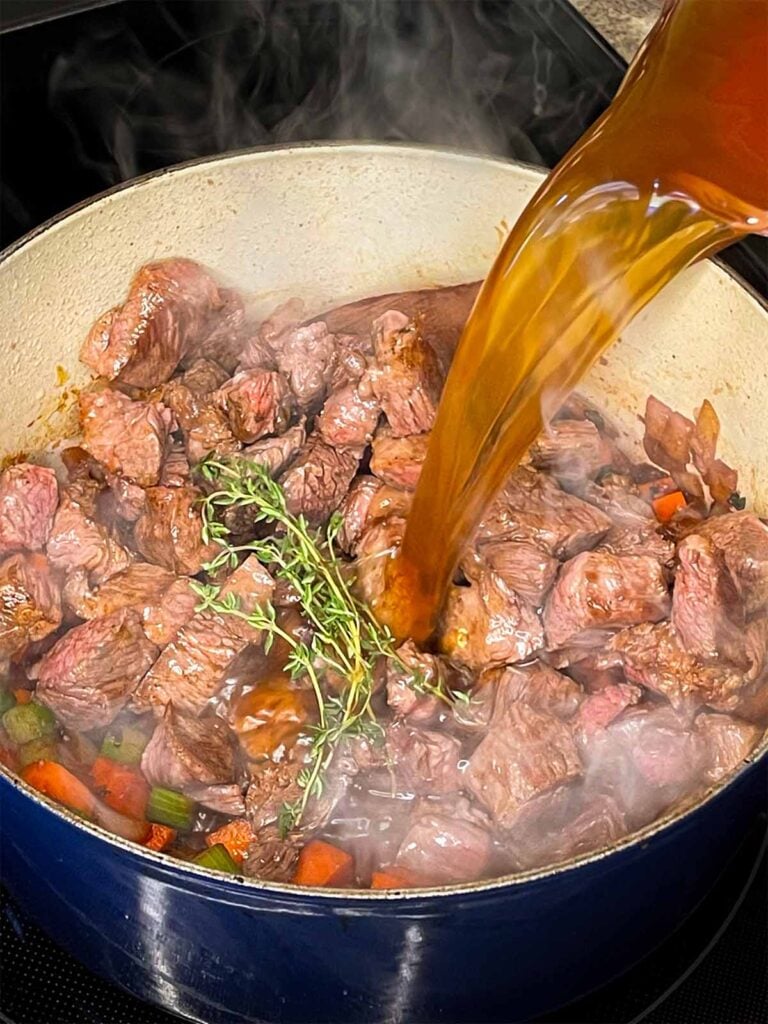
{"x":674,"y":170}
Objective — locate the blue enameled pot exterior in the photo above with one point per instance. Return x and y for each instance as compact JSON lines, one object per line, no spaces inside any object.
{"x":220,"y":950}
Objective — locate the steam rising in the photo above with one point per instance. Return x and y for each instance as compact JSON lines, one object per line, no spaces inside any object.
{"x":255,"y":72}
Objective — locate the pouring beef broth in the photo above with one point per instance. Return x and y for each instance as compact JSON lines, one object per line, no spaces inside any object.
{"x":192,"y":659}
{"x":193,"y":608}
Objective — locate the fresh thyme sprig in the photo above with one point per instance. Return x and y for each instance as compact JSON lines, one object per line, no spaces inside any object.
{"x":346,"y":637}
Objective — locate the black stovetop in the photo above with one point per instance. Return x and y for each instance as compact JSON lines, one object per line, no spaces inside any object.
{"x":122,"y":88}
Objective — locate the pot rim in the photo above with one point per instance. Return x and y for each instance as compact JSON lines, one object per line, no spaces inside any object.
{"x":232,"y":884}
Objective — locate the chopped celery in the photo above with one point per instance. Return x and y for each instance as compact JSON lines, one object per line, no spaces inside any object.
{"x":7,"y":700}
{"x":167,"y":807}
{"x":41,"y":749}
{"x":218,"y":858}
{"x":27,"y":722}
{"x":125,"y":745}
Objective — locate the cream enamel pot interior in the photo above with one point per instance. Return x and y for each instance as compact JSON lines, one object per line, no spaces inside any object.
{"x":330,"y":224}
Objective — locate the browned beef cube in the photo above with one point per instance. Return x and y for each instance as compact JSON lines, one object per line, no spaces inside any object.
{"x":409,"y":679}
{"x":203,"y":376}
{"x":599,"y":709}
{"x":130,"y":500}
{"x":353,"y":359}
{"x":272,"y":785}
{"x":176,"y":469}
{"x":743,"y":540}
{"x":424,"y":760}
{"x":30,"y":604}
{"x":185,"y":750}
{"x":638,"y":540}
{"x":306,"y":355}
{"x":444,"y":849}
{"x":668,"y":435}
{"x":277,"y":453}
{"x":162,"y":621}
{"x":707,"y":610}
{"x":398,"y":460}
{"x":88,"y":675}
{"x":191,"y":668}
{"x":272,"y":858}
{"x":128,"y":438}
{"x":354,"y":510}
{"x":532,"y":508}
{"x":526,"y":752}
{"x":224,"y":798}
{"x":317,"y":480}
{"x":349,"y":416}
{"x":375,"y":551}
{"x":727,"y":742}
{"x":168,"y":309}
{"x":487,"y":624}
{"x":141,"y":586}
{"x":664,"y":748}
{"x":597,"y":592}
{"x":259,"y":350}
{"x":616,"y":496}
{"x":572,"y":450}
{"x":523,"y":566}
{"x":540,"y":686}
{"x":407,"y":380}
{"x":169,"y":533}
{"x":224,"y":335}
{"x":652,"y":656}
{"x":29,"y":496}
{"x":203,"y":424}
{"x":79,"y":541}
{"x":256,"y":403}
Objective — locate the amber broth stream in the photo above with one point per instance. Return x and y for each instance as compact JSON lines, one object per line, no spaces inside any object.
{"x":674,"y":170}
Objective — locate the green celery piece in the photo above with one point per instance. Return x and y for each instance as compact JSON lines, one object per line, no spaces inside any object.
{"x":41,"y":749}
{"x":125,"y":748}
{"x":26,"y":722}
{"x":218,"y":858}
{"x":167,"y":807}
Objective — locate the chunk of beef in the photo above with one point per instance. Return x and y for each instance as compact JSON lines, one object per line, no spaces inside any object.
{"x":539,"y":685}
{"x":317,"y":480}
{"x":30,"y":604}
{"x":128,"y":438}
{"x":668,"y":435}
{"x":191,"y":668}
{"x":354,"y":509}
{"x":168,"y":309}
{"x":727,"y":742}
{"x":129,"y":499}
{"x":79,"y":541}
{"x":224,"y":335}
{"x":566,"y":823}
{"x":742,"y":539}
{"x":572,"y":450}
{"x":411,"y":679}
{"x":532,"y":508}
{"x":424,"y":760}
{"x":617,"y":498}
{"x":375,"y":551}
{"x":407,"y":379}
{"x":224,"y":798}
{"x":306,"y":355}
{"x":277,"y":453}
{"x":526,"y":752}
{"x":176,"y":469}
{"x":350,"y":415}
{"x":664,"y":748}
{"x":186,"y":749}
{"x":259,"y":350}
{"x":487,"y":624}
{"x":707,"y":610}
{"x":272,"y":785}
{"x":353,"y":359}
{"x":652,"y":656}
{"x":272,"y":858}
{"x":89,"y":673}
{"x":203,"y":376}
{"x":141,"y":586}
{"x":203,"y":424}
{"x":163,"y":620}
{"x":169,"y":532}
{"x":638,"y":540}
{"x":445,"y":849}
{"x":29,"y":496}
{"x":596,"y":593}
{"x":441,"y":312}
{"x":599,"y":709}
{"x":523,"y":566}
{"x":398,"y":460}
{"x":256,"y":403}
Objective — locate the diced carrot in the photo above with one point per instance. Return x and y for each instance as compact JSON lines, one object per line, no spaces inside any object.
{"x":22,"y":696}
{"x":321,"y":863}
{"x":55,"y":781}
{"x":236,"y":836}
{"x":124,"y":788}
{"x":160,"y":836}
{"x":666,"y":506}
{"x":393,"y":878}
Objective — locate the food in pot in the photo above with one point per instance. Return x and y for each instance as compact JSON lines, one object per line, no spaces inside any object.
{"x":187,"y":615}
